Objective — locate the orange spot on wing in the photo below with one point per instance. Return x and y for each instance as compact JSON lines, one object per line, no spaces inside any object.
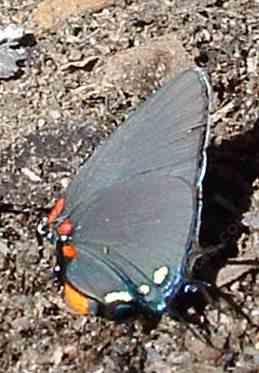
{"x":65,"y":228}
{"x":76,"y":301}
{"x":56,"y":210}
{"x":69,"y":251}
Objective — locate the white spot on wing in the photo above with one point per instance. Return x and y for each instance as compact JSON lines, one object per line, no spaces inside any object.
{"x":106,"y":250}
{"x":63,"y":238}
{"x":118,"y":296}
{"x":160,"y":275}
{"x":144,"y":289}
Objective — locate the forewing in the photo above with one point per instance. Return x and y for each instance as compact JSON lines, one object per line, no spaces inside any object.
{"x":166,"y":132}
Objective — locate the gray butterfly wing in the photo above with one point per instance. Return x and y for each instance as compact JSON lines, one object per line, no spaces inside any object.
{"x":167,"y":131}
{"x":133,"y":228}
{"x":134,"y":204}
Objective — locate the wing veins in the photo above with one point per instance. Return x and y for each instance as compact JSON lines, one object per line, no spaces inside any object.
{"x":95,"y":197}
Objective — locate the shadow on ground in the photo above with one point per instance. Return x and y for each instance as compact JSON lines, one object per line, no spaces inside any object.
{"x":228,"y":187}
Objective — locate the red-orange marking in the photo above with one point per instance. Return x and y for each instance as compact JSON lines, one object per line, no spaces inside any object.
{"x":65,"y":228}
{"x":56,"y":210}
{"x":76,"y":301}
{"x":69,"y":251}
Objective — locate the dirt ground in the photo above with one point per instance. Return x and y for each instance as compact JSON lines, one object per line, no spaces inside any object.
{"x":81,"y":78}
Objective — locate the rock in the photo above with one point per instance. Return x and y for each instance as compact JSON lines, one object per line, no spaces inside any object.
{"x":11,"y":33}
{"x":11,"y":53}
{"x":202,"y":350}
{"x":50,"y":13}
{"x":4,"y":250}
{"x":139,"y":69}
{"x":251,"y":220}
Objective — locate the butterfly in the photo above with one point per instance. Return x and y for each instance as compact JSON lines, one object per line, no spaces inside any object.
{"x":126,"y":226}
